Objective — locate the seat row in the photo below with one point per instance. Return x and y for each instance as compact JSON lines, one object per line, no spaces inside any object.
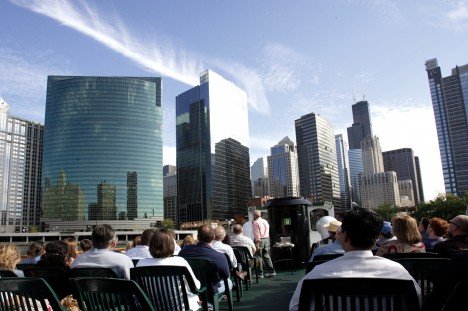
{"x":166,"y":287}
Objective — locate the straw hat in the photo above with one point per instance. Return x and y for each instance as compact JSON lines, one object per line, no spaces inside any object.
{"x":333,"y":225}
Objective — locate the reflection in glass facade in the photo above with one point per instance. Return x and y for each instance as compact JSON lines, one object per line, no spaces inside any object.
{"x":212,"y":150}
{"x":343,"y":173}
{"x":102,"y":148}
{"x":21,"y":144}
{"x":355,"y":173}
{"x":450,"y":103}
{"x":318,"y":168}
{"x":283,"y":172}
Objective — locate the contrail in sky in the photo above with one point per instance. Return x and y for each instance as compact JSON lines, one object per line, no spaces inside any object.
{"x":166,"y":60}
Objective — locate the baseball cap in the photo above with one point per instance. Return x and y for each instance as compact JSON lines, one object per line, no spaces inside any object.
{"x":386,"y":228}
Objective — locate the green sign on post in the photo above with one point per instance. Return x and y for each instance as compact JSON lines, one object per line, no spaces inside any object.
{"x":287,"y":221}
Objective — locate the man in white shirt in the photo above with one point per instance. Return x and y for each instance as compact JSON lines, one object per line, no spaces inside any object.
{"x":217,"y":244}
{"x":359,"y":231}
{"x":102,"y":255}
{"x":141,"y":250}
{"x":239,"y":239}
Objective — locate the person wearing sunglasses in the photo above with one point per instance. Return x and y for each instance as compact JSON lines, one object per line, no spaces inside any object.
{"x":457,"y":237}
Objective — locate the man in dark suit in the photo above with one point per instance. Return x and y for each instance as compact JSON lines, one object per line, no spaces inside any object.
{"x":203,"y":250}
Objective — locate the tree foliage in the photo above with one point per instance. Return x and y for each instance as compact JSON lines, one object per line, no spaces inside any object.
{"x":445,"y":206}
{"x":387,"y":211}
{"x":168,"y":224}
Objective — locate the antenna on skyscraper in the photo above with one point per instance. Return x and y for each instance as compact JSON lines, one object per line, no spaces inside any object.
{"x":363,"y":94}
{"x":354,"y":96}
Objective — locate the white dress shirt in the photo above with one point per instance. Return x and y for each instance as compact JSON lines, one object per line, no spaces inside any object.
{"x":138,"y":252}
{"x":355,"y":264}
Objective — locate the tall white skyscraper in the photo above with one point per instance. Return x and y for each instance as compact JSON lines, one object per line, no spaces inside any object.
{"x":372,"y":160}
{"x":283,"y":169}
{"x":259,"y":177}
{"x":377,"y":187}
{"x":21,"y":150}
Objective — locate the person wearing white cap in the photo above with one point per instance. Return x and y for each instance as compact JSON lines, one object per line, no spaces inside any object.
{"x":335,"y":247}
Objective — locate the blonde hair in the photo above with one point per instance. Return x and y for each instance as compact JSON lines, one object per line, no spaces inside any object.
{"x":405,"y":228}
{"x":9,"y":256}
{"x":72,"y":246}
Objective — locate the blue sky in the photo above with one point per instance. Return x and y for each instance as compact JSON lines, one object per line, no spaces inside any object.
{"x":291,"y":57}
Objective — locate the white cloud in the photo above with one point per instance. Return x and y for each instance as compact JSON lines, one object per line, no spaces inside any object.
{"x":169,"y":155}
{"x":281,"y":66}
{"x":164,"y":58}
{"x":411,"y":127}
{"x":23,"y":81}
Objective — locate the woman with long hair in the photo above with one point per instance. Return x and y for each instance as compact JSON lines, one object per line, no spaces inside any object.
{"x":408,"y":237}
{"x":162,"y":247}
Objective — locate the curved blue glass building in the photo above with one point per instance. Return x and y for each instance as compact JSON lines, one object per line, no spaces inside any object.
{"x":102,"y":148}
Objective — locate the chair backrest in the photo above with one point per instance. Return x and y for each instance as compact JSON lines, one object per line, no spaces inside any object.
{"x":7,"y":274}
{"x":135,"y":261}
{"x":412,"y":255}
{"x":31,"y":294}
{"x":57,"y":278}
{"x":22,"y":266}
{"x":458,"y":297}
{"x":101,"y":272}
{"x":426,"y":271}
{"x":205,"y":273}
{"x":165,"y":285}
{"x":244,"y":250}
{"x":96,"y":294}
{"x":358,"y":294}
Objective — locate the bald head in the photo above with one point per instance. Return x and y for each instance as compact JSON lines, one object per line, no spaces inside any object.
{"x":256,"y":214}
{"x":237,"y":229}
{"x":220,"y":233}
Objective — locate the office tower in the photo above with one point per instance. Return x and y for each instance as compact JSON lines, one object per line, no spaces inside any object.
{"x":419,"y":179}
{"x":450,"y":102}
{"x":170,"y":192}
{"x":231,"y":176}
{"x":377,"y":187}
{"x":355,"y":173}
{"x":403,"y":162}
{"x":283,"y":172}
{"x":380,"y":188}
{"x":362,"y":126}
{"x":343,"y":173}
{"x":372,"y":161}
{"x":102,"y":143}
{"x":259,"y":169}
{"x":360,"y":129}
{"x":21,"y":143}
{"x":212,"y":118}
{"x":259,"y":177}
{"x":316,"y":150}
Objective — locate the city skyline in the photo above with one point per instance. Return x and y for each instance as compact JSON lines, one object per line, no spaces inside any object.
{"x":291,"y":59}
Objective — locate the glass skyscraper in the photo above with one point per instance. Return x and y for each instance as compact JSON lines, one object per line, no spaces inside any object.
{"x":450,"y":103}
{"x":318,"y":168}
{"x":362,"y":126}
{"x":343,"y":173}
{"x":213,"y":164}
{"x":102,"y":148}
{"x":283,"y":172}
